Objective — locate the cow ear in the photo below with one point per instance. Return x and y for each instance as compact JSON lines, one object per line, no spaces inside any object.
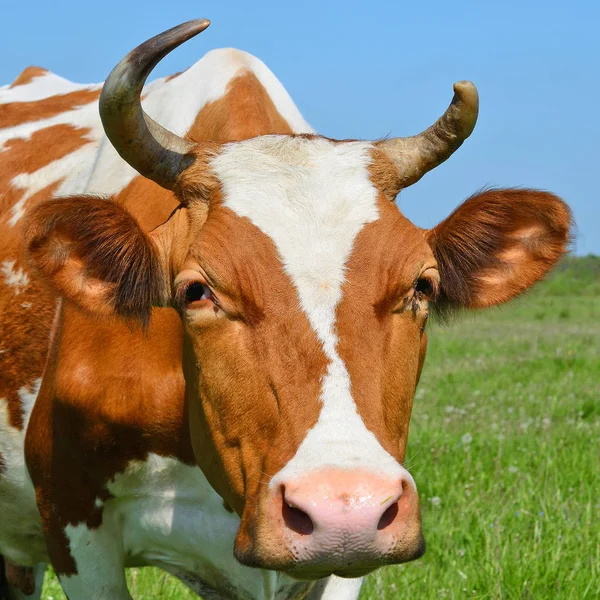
{"x":497,"y":244}
{"x":94,"y":253}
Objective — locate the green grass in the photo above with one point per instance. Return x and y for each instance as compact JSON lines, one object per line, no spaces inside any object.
{"x":504,"y":447}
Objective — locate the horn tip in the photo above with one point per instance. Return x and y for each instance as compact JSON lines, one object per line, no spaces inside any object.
{"x":189,"y":29}
{"x":467,"y":92}
{"x":200,"y":24}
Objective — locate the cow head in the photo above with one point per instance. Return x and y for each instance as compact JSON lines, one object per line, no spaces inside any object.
{"x":304,"y":294}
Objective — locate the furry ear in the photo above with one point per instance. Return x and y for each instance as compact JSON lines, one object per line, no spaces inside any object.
{"x":497,"y":244}
{"x":94,"y":253}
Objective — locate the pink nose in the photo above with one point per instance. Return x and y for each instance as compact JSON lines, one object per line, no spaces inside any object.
{"x":346,"y":514}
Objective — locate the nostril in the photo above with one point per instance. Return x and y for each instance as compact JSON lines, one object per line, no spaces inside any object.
{"x":295,"y":518}
{"x":388,"y":517}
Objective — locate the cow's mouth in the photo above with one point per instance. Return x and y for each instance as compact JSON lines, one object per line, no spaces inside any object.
{"x":361,"y":568}
{"x":347,"y":567}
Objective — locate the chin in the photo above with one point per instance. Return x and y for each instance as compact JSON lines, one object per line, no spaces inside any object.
{"x":332,"y":565}
{"x":313,"y":574}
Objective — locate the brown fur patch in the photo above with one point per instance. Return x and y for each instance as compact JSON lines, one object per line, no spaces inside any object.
{"x":28,"y":75}
{"x":19,"y":577}
{"x":147,"y":202}
{"x":198,"y":182}
{"x":246,"y":110}
{"x":380,"y":342}
{"x":25,"y":325}
{"x":25,"y":320}
{"x":110,"y":395}
{"x":384,"y":174}
{"x":17,"y":113}
{"x":497,"y":244}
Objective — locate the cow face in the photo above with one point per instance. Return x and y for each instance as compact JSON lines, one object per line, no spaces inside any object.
{"x":304,"y":295}
{"x":305,"y":320}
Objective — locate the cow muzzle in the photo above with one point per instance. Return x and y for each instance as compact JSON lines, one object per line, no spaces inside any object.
{"x":343,"y":522}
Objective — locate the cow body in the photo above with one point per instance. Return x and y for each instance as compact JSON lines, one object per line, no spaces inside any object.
{"x":135,"y":476}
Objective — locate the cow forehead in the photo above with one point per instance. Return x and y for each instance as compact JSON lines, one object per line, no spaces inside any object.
{"x":310,"y":196}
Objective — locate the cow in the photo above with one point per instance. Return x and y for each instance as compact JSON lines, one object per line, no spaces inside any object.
{"x":211,"y":341}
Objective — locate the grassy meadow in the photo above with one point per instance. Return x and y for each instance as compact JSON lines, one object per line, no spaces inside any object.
{"x":505,"y":450}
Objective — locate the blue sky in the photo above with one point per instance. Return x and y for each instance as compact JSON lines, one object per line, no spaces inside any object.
{"x":369,"y":69}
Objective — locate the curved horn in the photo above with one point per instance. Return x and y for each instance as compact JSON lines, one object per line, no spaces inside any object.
{"x":416,"y":155}
{"x":147,"y":146}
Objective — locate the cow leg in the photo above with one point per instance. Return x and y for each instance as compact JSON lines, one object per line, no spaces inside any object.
{"x":98,"y":556}
{"x":336,"y":588}
{"x":20,"y":583}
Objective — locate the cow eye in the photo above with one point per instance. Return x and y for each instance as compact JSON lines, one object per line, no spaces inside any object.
{"x":195,"y":292}
{"x":425,"y":287}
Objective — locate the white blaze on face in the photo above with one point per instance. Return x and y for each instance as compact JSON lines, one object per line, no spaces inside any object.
{"x":312,"y":197}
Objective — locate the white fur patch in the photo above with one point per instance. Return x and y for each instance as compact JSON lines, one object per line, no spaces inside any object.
{"x":21,"y":537}
{"x":165,"y":513}
{"x":28,"y":396}
{"x":15,"y":278}
{"x":312,"y":197}
{"x":337,"y":588}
